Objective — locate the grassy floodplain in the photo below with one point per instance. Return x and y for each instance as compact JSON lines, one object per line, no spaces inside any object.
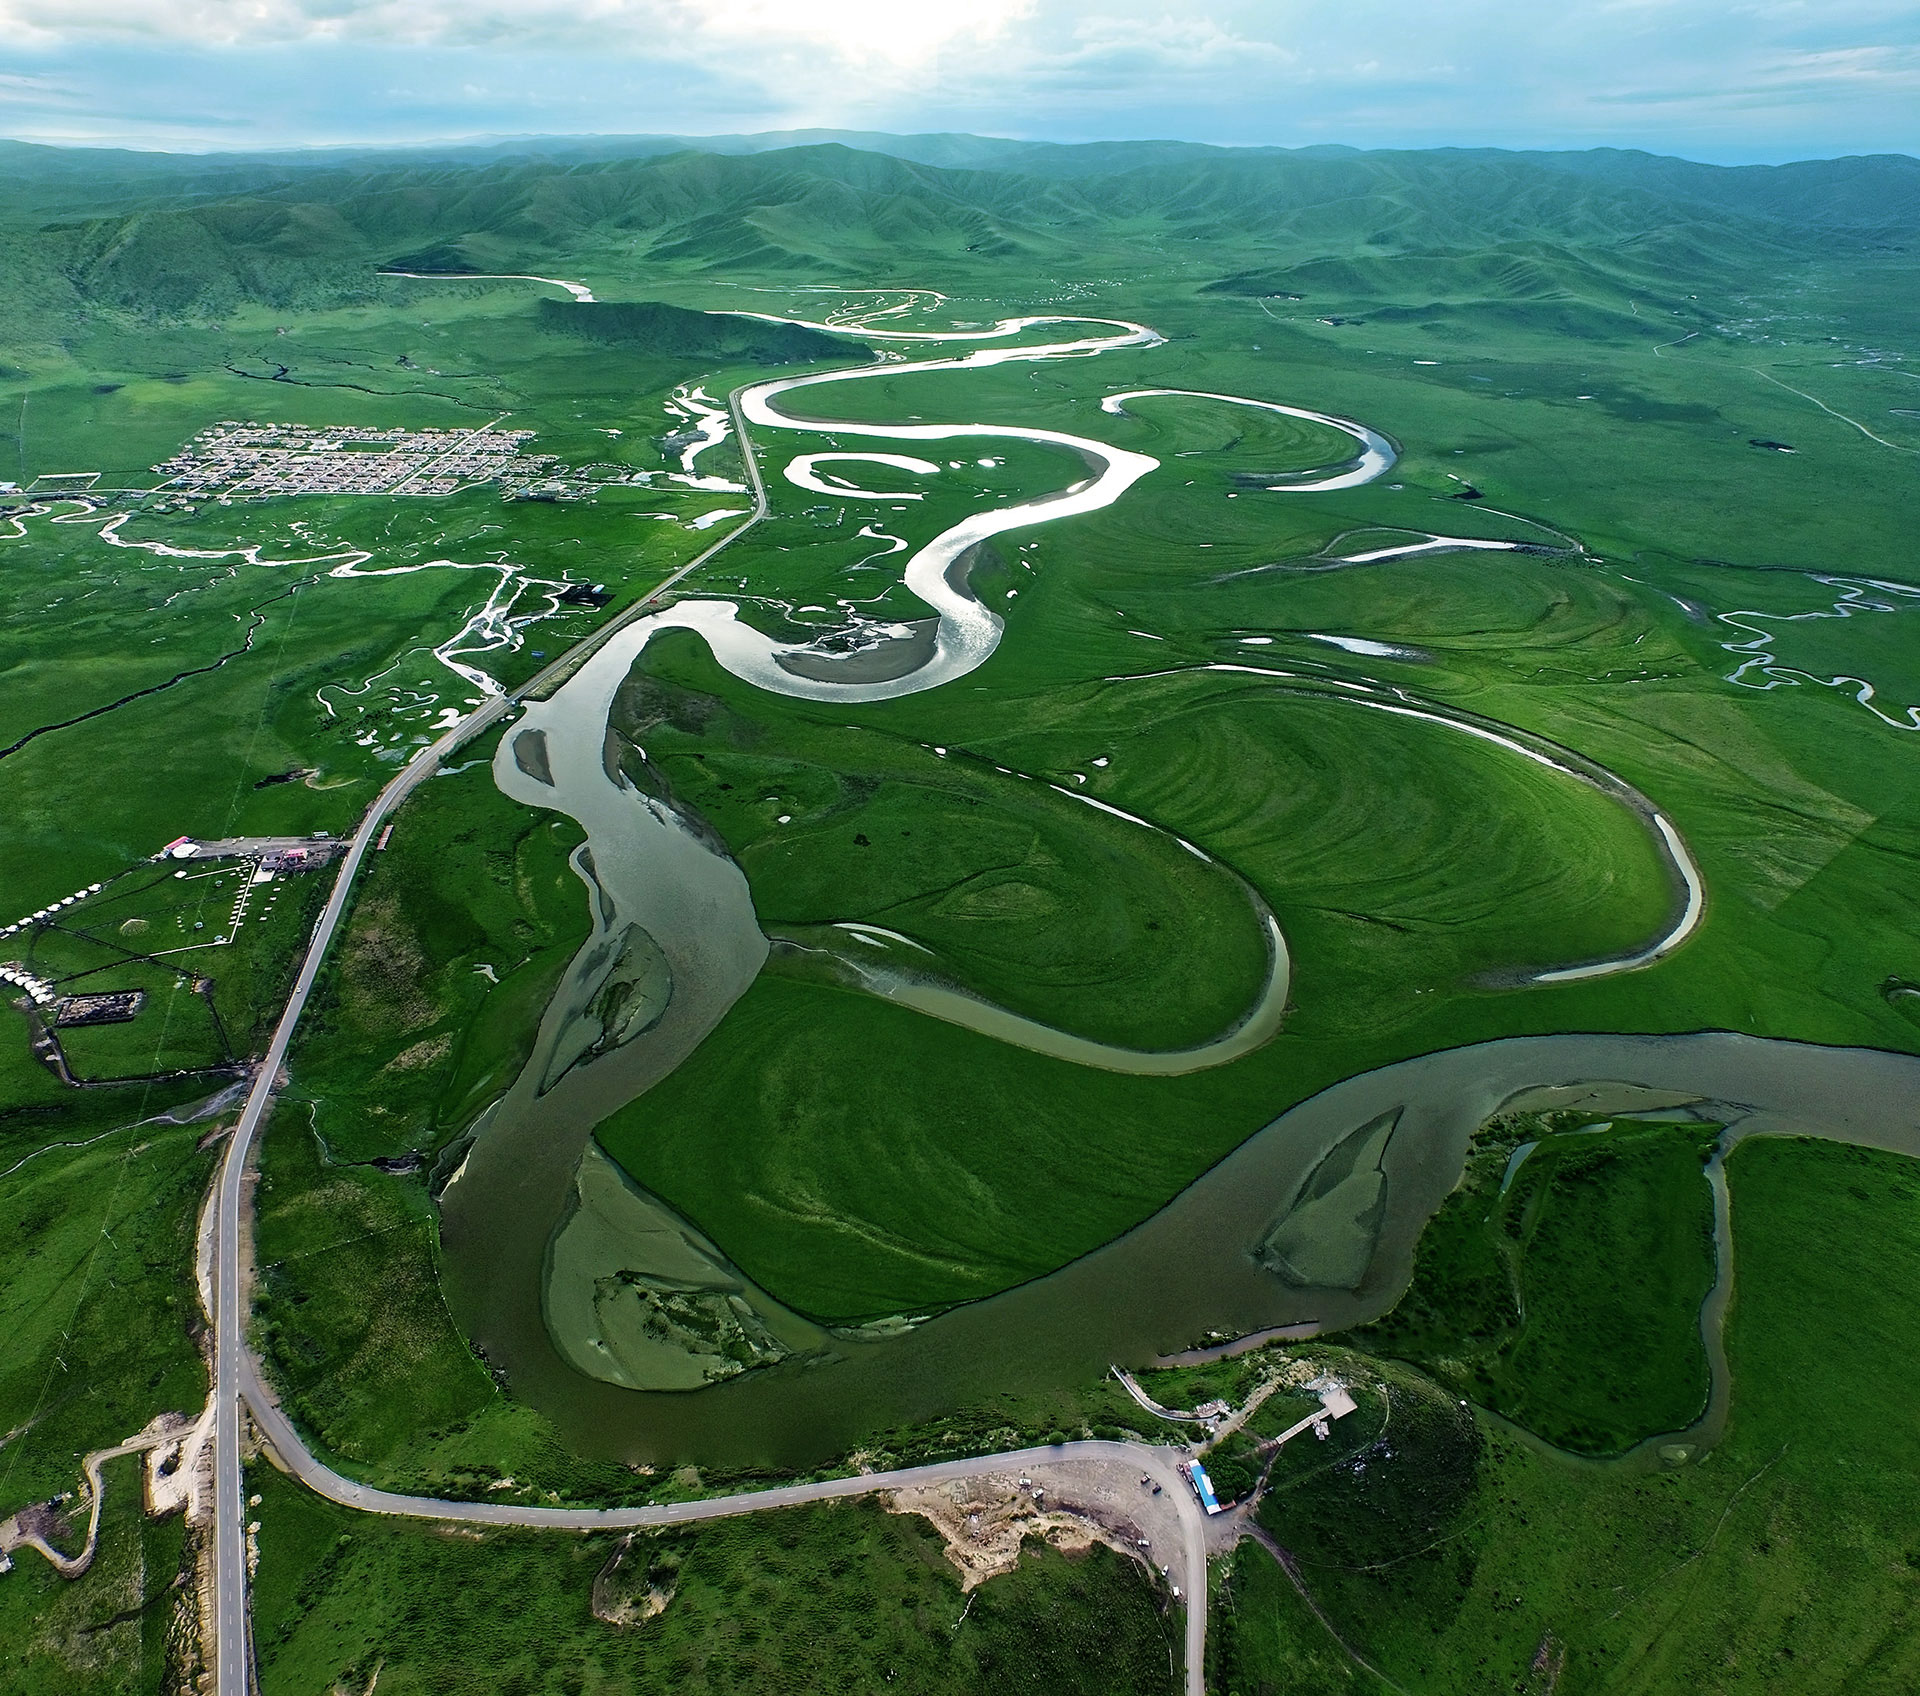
{"x":1565,"y":1291}
{"x":430,"y":1002}
{"x":429,"y":1006}
{"x":1579,"y":649}
{"x":1557,"y":366}
{"x":1203,"y":754}
{"x":1575,"y":647}
{"x":1777,"y":792}
{"x":1783,"y":1557}
{"x":991,"y":872}
{"x":198,"y":667}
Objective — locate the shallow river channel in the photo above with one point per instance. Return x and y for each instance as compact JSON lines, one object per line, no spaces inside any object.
{"x":1312,"y":1221}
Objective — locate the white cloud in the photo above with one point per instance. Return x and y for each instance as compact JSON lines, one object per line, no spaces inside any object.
{"x":855,"y":31}
{"x":1186,"y":43}
{"x":1713,"y":75}
{"x":859,"y":31}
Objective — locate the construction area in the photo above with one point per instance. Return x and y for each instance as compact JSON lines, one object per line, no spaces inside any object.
{"x":1071,"y":1504}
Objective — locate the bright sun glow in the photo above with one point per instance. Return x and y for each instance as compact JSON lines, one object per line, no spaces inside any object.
{"x":861,"y":30}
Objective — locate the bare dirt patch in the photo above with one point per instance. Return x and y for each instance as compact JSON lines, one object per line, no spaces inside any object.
{"x":636,"y":1584}
{"x":421,"y":1055}
{"x":1071,"y":1505}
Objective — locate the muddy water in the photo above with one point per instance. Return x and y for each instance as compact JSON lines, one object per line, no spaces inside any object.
{"x":1188,"y":1270}
{"x":676,"y":942}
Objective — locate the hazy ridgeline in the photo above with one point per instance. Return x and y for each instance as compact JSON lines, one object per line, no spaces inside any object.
{"x":170,"y":234}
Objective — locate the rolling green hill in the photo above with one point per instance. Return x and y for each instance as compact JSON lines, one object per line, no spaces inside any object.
{"x":154,"y":235}
{"x":652,"y":326}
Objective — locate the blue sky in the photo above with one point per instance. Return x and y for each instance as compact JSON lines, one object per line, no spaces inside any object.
{"x":1771,"y":80}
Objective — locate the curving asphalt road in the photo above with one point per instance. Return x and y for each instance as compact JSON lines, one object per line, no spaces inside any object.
{"x":237,"y":1374}
{"x":233,"y":1365}
{"x":1163,"y":1464}
{"x":231,"y":1659}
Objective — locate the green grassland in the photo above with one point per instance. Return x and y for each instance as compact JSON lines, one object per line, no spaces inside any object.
{"x":816,"y":555}
{"x":1568,"y":1296}
{"x":124,"y":1629}
{"x":98,"y":1199}
{"x":369,"y":1364}
{"x":1455,"y":1557}
{"x":422,"y":354}
{"x":191,"y":759}
{"x":342,"y":1310}
{"x":1545,"y":340}
{"x":351,"y":1323}
{"x":213,"y":988}
{"x":92,"y":801}
{"x":1023,"y":896}
{"x":237,"y":684}
{"x":830,"y":1598}
{"x":429,"y":1003}
{"x":98,"y":1306}
{"x":1782,"y":795}
{"x":1264,"y":1640}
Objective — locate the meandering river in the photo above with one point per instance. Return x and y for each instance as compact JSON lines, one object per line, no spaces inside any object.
{"x":676,"y":942}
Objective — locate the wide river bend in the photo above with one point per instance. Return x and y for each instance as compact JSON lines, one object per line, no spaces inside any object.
{"x":675,"y":932}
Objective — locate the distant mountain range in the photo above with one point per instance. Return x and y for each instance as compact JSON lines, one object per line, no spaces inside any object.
{"x":170,"y":234}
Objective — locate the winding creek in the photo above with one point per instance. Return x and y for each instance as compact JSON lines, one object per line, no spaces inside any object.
{"x":543,"y":1235}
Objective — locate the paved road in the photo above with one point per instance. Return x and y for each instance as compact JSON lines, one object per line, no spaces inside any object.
{"x":1163,"y":1464}
{"x":232,"y":1362}
{"x":231,"y":1659}
{"x":237,"y":1375}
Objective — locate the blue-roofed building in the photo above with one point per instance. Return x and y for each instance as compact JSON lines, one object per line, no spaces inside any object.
{"x":1202,"y":1486}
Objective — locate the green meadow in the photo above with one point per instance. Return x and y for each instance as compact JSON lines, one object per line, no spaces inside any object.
{"x":124,"y":1629}
{"x":1418,"y":872}
{"x":429,"y":1004}
{"x":1692,"y":417}
{"x":1564,"y":1291}
{"x":100,"y":1312}
{"x":815,"y":1599}
{"x":1446,"y":1553}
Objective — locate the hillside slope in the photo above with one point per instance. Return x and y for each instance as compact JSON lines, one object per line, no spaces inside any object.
{"x":151,"y":235}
